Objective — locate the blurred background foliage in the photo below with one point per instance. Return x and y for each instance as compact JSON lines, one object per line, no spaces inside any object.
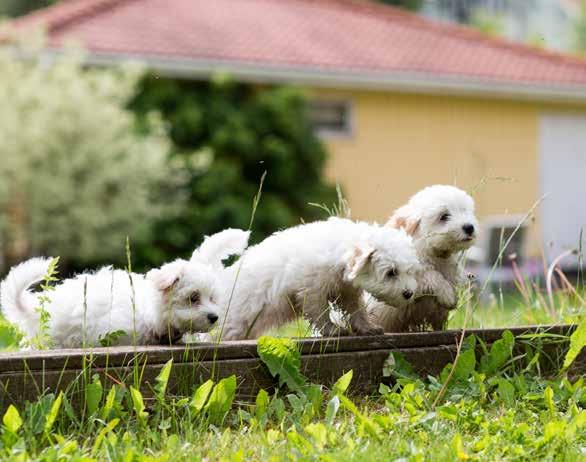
{"x":91,"y":156}
{"x":76,"y":175}
{"x":413,"y":5}
{"x":13,"y":8}
{"x":225,"y":135}
{"x":579,"y":31}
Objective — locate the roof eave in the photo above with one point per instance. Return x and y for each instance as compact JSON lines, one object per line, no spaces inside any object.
{"x":404,"y":82}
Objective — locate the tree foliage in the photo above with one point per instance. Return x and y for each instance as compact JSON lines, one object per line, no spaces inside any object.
{"x":579,"y":29}
{"x":225,"y":136}
{"x":487,"y":22}
{"x":12,"y":8}
{"x":408,"y":4}
{"x":76,"y":177}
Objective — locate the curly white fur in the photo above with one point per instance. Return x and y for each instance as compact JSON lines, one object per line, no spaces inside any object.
{"x":178,"y":297}
{"x":442,"y":222}
{"x":301,"y":270}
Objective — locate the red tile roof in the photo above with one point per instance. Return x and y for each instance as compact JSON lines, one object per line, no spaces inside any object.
{"x":327,"y":40}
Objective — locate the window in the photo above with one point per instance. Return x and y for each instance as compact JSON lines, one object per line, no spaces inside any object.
{"x":330,"y":118}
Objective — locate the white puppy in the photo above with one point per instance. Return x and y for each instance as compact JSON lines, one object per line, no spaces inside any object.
{"x":301,"y":270}
{"x":442,"y":223}
{"x":179,"y":297}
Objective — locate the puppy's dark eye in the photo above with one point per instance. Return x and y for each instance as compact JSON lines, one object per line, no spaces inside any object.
{"x":444,"y":216}
{"x":392,"y":273}
{"x":194,"y":298}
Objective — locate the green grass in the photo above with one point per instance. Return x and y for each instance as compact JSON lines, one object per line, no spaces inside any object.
{"x":494,"y":407}
{"x":491,"y":407}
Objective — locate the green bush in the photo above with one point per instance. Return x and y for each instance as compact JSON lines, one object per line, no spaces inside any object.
{"x":225,"y":136}
{"x":408,"y":4}
{"x":76,"y":176}
{"x":13,"y":8}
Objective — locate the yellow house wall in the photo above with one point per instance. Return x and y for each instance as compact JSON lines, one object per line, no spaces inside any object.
{"x":401,"y":143}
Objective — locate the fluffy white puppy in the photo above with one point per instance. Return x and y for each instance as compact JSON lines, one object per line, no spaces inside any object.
{"x":178,"y":297}
{"x":442,"y":223}
{"x":301,"y":270}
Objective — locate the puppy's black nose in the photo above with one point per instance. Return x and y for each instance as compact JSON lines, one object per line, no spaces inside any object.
{"x":212,"y":318}
{"x":407,"y":294}
{"x":468,"y":229}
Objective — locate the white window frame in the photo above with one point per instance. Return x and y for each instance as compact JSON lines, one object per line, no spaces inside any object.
{"x":348,"y":130}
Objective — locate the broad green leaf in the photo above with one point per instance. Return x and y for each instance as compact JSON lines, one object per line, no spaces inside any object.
{"x":9,"y":335}
{"x":332,"y":410}
{"x":67,"y":447}
{"x":37,"y":413}
{"x":315,"y":395}
{"x":68,"y":409}
{"x":111,"y":338}
{"x":577,"y":423}
{"x":449,"y":411}
{"x":52,"y":416}
{"x":500,"y":352}
{"x":273,"y":436}
{"x":283,"y":359}
{"x":262,"y":404}
{"x":554,"y":429}
{"x":368,"y":424}
{"x":238,"y":456}
{"x":458,"y":447}
{"x":221,"y":399}
{"x":109,"y":404}
{"x":102,"y":434}
{"x":384,"y":389}
{"x":93,"y":395}
{"x":138,"y":404}
{"x":162,"y":380}
{"x":548,"y":398}
{"x":295,"y":403}
{"x":506,"y":392}
{"x":277,"y":407}
{"x":318,"y":433}
{"x":12,"y":420}
{"x":397,"y":366}
{"x":465,"y":365}
{"x":577,"y":342}
{"x":300,"y":443}
{"x":469,"y":343}
{"x":343,"y":383}
{"x":201,"y":396}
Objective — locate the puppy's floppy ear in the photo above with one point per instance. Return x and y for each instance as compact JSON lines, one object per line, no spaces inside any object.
{"x":359,"y":258}
{"x":405,"y":218}
{"x":164,"y":277}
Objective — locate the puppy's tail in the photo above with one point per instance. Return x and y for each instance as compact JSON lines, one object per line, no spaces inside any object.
{"x":221,"y":245}
{"x":18,"y":304}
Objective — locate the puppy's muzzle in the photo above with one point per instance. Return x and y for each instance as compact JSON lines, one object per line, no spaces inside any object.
{"x":468,"y":229}
{"x":212,"y":318}
{"x":407,"y":294}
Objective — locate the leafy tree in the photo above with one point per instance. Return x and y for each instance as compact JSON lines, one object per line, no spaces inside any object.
{"x":226,"y":135}
{"x":76,"y":177}
{"x":487,"y":23}
{"x":12,"y":8}
{"x":580,"y":29}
